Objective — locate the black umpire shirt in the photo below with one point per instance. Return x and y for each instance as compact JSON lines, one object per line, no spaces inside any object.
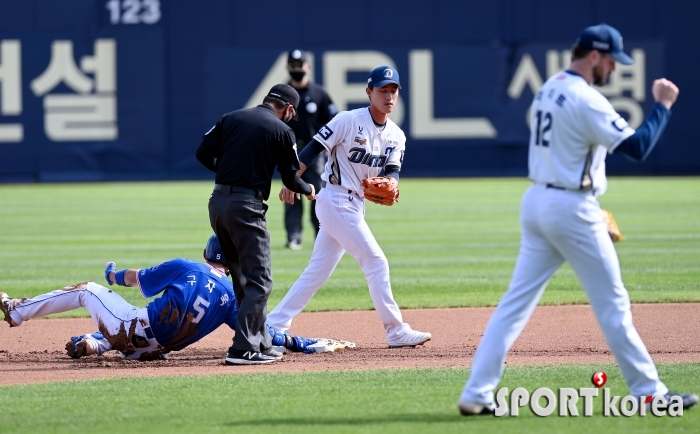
{"x":244,"y":147}
{"x":315,"y":110}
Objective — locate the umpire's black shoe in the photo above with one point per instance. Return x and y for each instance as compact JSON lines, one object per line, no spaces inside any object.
{"x":238,"y":357}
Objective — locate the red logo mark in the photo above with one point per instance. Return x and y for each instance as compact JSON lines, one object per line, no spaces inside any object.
{"x":649,"y":398}
{"x":599,"y":379}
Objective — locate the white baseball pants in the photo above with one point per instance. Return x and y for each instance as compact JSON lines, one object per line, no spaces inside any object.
{"x":343,"y":229}
{"x":557,"y":226}
{"x":125,"y":327}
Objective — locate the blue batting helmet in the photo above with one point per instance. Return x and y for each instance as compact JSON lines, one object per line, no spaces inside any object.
{"x":213,"y":252}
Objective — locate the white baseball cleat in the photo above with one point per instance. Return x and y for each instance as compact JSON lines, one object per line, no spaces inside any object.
{"x":409,"y":339}
{"x":274,"y":352}
{"x":468,"y":408}
{"x":279,"y":348}
{"x":6,"y":305}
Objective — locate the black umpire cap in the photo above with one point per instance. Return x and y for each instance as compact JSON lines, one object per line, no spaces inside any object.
{"x":297,"y":55}
{"x":285,"y":93}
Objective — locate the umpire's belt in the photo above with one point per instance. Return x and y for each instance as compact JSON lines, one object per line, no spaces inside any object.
{"x":227,"y":190}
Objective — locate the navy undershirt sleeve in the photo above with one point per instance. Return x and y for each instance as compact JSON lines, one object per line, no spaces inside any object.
{"x":639,"y":145}
{"x":310,"y":151}
{"x":392,"y":171}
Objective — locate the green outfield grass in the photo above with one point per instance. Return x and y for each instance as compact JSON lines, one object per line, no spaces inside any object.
{"x":385,"y":401}
{"x":450,"y":242}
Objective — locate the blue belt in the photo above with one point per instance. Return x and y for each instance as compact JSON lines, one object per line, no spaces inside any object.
{"x":556,"y":187}
{"x":227,"y":190}
{"x":579,"y":190}
{"x":324,"y":183}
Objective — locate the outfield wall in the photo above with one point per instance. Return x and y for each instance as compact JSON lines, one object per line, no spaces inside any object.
{"x":95,"y":90}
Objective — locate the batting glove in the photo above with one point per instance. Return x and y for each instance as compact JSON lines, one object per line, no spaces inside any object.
{"x":110,"y":266}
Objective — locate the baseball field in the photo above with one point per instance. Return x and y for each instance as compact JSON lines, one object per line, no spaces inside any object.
{"x":451,"y":245}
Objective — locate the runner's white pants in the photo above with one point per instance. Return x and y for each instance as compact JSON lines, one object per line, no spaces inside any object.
{"x":343,"y":229}
{"x":557,"y":226}
{"x":125,"y":327}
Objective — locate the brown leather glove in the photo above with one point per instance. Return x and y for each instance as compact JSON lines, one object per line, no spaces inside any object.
{"x":613,"y":230}
{"x":380,"y":190}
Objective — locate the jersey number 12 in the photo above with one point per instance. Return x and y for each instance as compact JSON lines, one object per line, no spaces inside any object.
{"x":544,"y":123}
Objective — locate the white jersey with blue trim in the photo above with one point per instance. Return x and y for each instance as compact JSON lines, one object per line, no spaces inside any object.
{"x":572,"y":127}
{"x":358,"y":149}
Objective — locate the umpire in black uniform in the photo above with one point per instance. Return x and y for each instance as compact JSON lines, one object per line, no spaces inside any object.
{"x":315,"y":110}
{"x":243,"y":149}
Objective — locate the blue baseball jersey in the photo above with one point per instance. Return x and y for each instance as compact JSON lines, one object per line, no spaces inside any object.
{"x":196,"y":300}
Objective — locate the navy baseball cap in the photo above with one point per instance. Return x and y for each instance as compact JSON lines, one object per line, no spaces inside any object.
{"x":213,"y":251}
{"x":605,"y":39}
{"x":383,"y":75}
{"x":296,"y":55}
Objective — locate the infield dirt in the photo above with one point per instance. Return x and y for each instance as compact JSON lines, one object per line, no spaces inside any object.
{"x":34,"y":352}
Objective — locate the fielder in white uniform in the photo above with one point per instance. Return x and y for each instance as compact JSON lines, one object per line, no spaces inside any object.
{"x":361,"y":144}
{"x":573,"y":127}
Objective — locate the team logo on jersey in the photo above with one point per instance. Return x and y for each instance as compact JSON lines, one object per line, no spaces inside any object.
{"x":388,"y":73}
{"x":325,"y":132}
{"x":224,"y":299}
{"x":360,"y":140}
{"x":361,"y":156}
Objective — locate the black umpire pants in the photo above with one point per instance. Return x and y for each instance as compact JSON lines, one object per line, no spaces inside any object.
{"x":293,"y":214}
{"x":238,"y":220}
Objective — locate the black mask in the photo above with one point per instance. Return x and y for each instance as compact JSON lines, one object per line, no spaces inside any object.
{"x":297,"y":75}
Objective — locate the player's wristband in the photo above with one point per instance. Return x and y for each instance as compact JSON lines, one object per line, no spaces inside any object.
{"x":119,"y":277}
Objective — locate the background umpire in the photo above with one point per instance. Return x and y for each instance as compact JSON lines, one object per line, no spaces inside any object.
{"x":243,"y":149}
{"x":315,"y":110}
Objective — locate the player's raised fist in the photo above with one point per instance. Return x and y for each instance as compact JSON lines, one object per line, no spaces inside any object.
{"x":665,"y":92}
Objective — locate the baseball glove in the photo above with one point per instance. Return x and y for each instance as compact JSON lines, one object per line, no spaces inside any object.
{"x":613,"y":230}
{"x":380,"y":190}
